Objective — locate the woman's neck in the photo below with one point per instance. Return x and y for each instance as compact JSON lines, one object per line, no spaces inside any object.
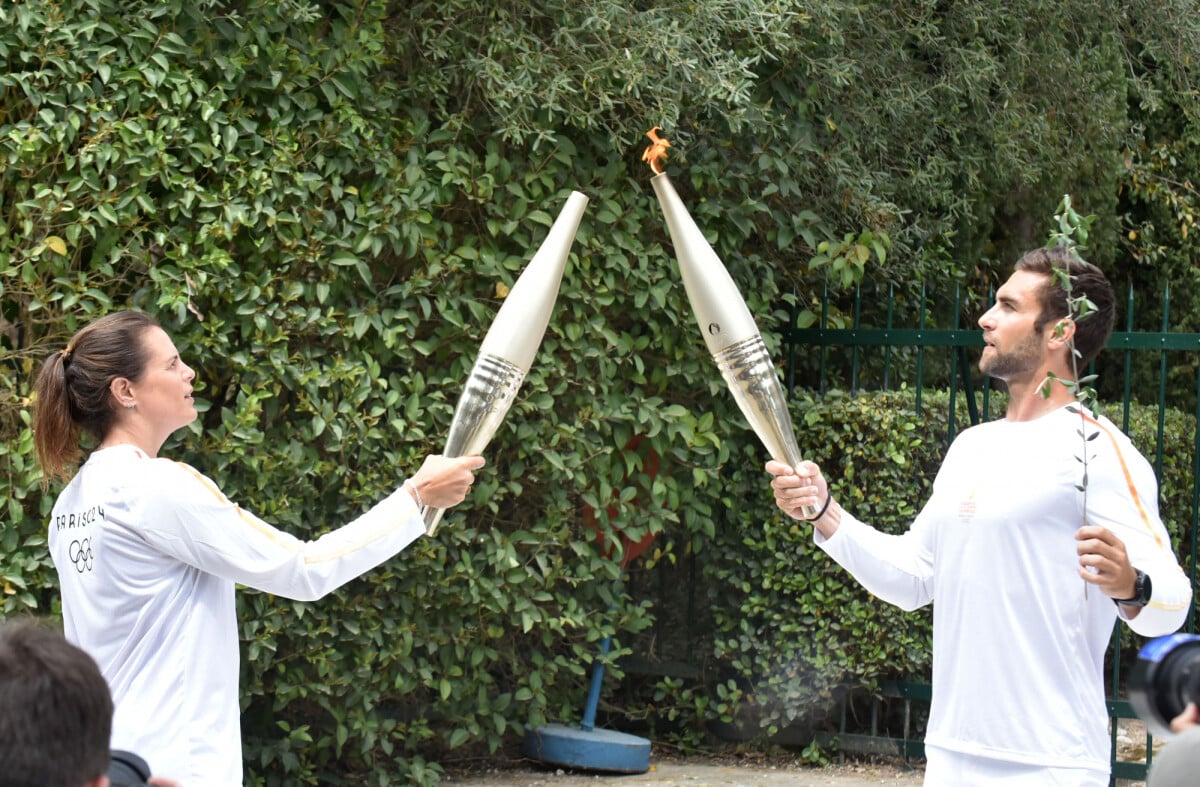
{"x":121,"y":436}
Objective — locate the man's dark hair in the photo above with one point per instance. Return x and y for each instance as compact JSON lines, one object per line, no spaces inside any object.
{"x":1091,"y":332}
{"x":55,"y":709}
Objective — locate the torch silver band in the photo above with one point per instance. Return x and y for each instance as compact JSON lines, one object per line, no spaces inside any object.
{"x":750,"y":375}
{"x":486,"y":397}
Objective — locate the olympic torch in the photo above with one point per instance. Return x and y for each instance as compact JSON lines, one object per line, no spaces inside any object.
{"x":507,"y":351}
{"x":725,"y":322}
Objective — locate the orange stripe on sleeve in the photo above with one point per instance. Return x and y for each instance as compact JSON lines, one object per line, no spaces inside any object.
{"x":1137,"y":499}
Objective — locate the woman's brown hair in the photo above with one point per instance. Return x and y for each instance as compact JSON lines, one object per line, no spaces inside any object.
{"x":72,"y":389}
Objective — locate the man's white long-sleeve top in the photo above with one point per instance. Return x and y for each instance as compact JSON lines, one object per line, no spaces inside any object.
{"x":1018,"y":640}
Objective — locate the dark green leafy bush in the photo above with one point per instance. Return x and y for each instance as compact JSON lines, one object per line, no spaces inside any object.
{"x":324,"y":202}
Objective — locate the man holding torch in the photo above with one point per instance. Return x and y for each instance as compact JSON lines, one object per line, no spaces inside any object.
{"x":1041,"y":531}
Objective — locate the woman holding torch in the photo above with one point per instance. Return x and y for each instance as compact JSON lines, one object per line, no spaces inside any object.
{"x":148,"y":550}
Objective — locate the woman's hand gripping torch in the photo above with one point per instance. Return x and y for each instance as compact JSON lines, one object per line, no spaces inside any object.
{"x":507,"y":351}
{"x":725,"y":322}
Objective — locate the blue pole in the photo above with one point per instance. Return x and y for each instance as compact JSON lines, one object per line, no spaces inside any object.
{"x":589,"y":712}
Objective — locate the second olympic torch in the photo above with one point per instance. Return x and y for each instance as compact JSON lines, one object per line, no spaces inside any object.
{"x":507,"y":351}
{"x":725,"y":321}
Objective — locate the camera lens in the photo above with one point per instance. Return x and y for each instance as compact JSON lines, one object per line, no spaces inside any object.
{"x":1165,"y":679}
{"x":126,"y":769}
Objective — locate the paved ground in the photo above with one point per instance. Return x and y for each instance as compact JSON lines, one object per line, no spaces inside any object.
{"x":753,"y":769}
{"x":726,"y":772}
{"x":701,"y":773}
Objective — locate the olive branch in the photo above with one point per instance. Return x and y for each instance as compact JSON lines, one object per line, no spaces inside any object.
{"x":1072,"y":233}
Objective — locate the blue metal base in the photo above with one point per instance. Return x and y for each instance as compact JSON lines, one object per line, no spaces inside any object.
{"x":591,"y":750}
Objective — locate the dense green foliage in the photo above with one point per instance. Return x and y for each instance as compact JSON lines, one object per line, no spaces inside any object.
{"x":325,"y":203}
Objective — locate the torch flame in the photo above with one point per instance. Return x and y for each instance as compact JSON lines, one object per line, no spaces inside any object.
{"x":657,"y":152}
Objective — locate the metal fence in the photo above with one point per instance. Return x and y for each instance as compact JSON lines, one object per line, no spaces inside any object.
{"x":918,"y":339}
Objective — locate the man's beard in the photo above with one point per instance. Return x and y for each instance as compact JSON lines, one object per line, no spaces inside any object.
{"x":1023,"y":358}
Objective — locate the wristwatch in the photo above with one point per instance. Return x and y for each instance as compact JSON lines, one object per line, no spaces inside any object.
{"x":1141,"y":591}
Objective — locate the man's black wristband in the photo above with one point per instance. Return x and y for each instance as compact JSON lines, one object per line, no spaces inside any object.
{"x":824,"y":508}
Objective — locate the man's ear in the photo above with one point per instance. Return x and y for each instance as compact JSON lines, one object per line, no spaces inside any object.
{"x":1062,"y":333}
{"x":99,"y":781}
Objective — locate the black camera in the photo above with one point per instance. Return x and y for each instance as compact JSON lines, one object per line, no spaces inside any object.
{"x":1165,"y":679}
{"x":126,"y":769}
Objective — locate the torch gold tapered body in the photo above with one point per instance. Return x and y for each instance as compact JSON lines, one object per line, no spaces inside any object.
{"x":507,"y":351}
{"x":729,"y":331}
